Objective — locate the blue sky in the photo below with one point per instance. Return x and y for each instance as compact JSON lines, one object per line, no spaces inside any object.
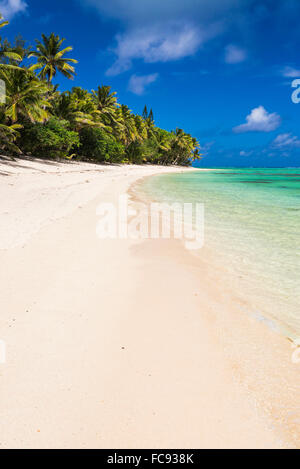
{"x":220,"y":69}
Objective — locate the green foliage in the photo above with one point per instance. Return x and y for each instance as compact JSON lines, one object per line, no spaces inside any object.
{"x":96,"y":144}
{"x":40,"y":120}
{"x":147,"y":151}
{"x":134,"y":153}
{"x":25,"y":96}
{"x":52,"y":139}
{"x":50,"y":58}
{"x":7,"y":53}
{"x":8,"y":135}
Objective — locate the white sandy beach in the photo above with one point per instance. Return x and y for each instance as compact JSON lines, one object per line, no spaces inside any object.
{"x":123,"y":343}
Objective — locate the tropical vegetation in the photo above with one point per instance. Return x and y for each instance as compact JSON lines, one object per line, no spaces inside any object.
{"x":37,"y":119}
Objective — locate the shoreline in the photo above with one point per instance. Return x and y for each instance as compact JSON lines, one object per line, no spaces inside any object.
{"x":162,"y":363}
{"x":139,"y":196}
{"x":266,"y":335}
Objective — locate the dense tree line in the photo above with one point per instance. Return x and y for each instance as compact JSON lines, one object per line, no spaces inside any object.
{"x":37,"y":119}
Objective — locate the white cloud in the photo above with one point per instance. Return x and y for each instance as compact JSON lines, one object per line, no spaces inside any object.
{"x":286,"y":140}
{"x":149,"y":11}
{"x":242,"y":17}
{"x":165,"y":30}
{"x":259,"y":120}
{"x":9,"y":8}
{"x":246,"y":153}
{"x":234,"y":54}
{"x":146,"y":20}
{"x":157,"y":44}
{"x":137,"y":84}
{"x":290,"y":72}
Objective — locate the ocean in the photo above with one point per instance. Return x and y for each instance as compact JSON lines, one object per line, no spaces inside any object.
{"x":252,"y":224}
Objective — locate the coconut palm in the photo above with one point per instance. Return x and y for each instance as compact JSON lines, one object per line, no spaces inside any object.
{"x":50,"y":58}
{"x":8,"y":134}
{"x":3,"y":23}
{"x":196,"y":155}
{"x":5,"y":51}
{"x":127,"y":132}
{"x":33,"y":98}
{"x":181,"y":146}
{"x":78,"y":112}
{"x":107,"y":103}
{"x":84,"y":103}
{"x":162,"y":139}
{"x":141,"y":128}
{"x":25,"y":96}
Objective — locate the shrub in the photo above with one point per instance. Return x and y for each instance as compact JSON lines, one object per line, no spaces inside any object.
{"x":134,"y":153}
{"x":97,"y":144}
{"x":52,"y":139}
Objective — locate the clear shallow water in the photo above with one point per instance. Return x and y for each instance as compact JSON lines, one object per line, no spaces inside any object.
{"x":252,"y":220}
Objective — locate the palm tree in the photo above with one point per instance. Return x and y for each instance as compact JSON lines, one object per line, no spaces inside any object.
{"x":106,"y":101}
{"x":107,"y":105}
{"x":179,"y":146}
{"x":163,"y":142}
{"x":141,"y":128}
{"x":127,"y":131}
{"x":79,"y":113}
{"x":8,"y":134}
{"x":184,"y":147}
{"x":25,"y":96}
{"x":84,"y":103}
{"x":3,"y":23}
{"x":5,"y":51}
{"x":197,"y":155}
{"x":50,"y":58}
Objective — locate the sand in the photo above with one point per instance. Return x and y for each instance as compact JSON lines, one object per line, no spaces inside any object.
{"x":125,"y":343}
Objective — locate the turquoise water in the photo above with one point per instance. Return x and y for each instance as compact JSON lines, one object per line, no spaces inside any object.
{"x":252,"y":221}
